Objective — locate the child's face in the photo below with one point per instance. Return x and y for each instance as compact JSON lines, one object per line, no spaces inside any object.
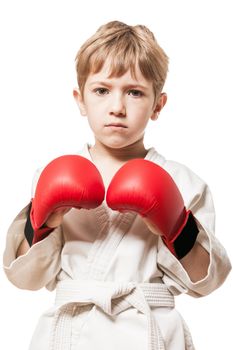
{"x":119,"y":108}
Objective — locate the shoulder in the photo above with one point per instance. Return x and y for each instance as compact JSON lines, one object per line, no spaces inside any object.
{"x":177,"y":170}
{"x":82,"y":152}
{"x":189,"y":183}
{"x":182,"y":173}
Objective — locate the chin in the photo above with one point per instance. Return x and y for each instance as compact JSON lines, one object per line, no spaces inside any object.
{"x":118,"y":142}
{"x":117,"y":145}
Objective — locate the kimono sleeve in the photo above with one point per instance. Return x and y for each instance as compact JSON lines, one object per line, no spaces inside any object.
{"x":197,"y":197}
{"x":42,"y":262}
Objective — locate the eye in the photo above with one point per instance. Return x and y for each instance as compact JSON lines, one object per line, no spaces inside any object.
{"x":101,"y":91}
{"x":135,"y":93}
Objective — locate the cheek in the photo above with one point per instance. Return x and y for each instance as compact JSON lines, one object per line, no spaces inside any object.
{"x":94,"y":120}
{"x":140,"y":115}
{"x":95,"y":106}
{"x":139,"y":107}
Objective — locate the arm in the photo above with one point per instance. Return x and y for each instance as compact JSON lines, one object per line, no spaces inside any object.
{"x":196,"y":263}
{"x":192,"y":259}
{"x":207,"y":265}
{"x":23,"y":248}
{"x":146,"y":188}
{"x":36,"y":267}
{"x":53,"y":221}
{"x":34,"y":262}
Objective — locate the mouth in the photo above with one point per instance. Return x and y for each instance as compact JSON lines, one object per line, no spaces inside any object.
{"x":116,"y":125}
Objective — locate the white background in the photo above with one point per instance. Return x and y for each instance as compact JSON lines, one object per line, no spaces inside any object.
{"x":39,"y":121}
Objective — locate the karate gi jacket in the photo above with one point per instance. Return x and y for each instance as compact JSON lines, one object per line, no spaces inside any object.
{"x":115,"y":280}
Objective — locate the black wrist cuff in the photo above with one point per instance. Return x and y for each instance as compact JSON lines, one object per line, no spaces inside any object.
{"x":187,"y":238}
{"x":28,"y":229}
{"x":33,"y":236}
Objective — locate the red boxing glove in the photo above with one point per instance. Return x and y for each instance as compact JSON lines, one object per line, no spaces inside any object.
{"x":67,"y":181}
{"x":146,"y":188}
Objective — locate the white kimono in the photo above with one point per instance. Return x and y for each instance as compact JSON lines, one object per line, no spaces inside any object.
{"x":115,"y":280}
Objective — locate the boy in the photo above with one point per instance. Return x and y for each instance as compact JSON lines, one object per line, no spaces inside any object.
{"x":117,"y":263}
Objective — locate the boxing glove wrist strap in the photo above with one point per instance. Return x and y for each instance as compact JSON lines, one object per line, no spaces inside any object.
{"x":30,"y":234}
{"x":185,"y":240}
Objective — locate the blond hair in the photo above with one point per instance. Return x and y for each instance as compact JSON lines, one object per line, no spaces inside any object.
{"x":127,"y":47}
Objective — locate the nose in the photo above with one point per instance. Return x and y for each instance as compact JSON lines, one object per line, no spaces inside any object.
{"x":117,"y":107}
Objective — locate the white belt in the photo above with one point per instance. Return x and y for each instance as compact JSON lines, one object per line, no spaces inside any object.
{"x":112,"y":298}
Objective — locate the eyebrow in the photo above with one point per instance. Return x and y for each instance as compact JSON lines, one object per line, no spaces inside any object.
{"x":128,"y":86}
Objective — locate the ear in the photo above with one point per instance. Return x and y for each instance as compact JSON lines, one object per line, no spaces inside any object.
{"x":159,"y":106}
{"x":79,"y":100}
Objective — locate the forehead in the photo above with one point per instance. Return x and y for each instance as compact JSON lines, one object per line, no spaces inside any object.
{"x":134,"y":77}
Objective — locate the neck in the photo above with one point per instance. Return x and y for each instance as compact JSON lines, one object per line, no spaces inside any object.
{"x":135,"y":150}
